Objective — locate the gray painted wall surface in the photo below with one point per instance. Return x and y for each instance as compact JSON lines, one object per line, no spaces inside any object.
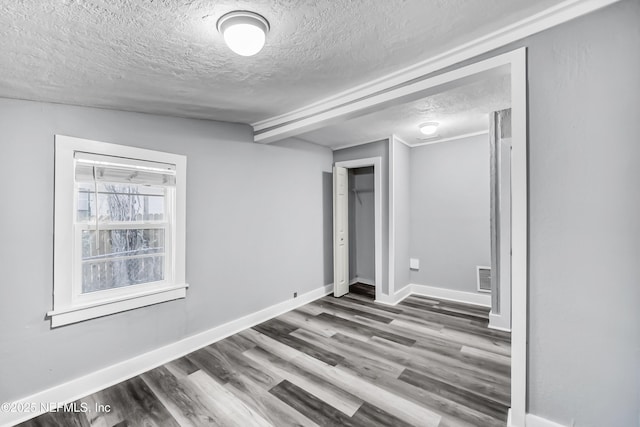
{"x":450,"y":212}
{"x":362,"y":224}
{"x":584,"y":205}
{"x":401,"y":161}
{"x":255,"y":233}
{"x":375,"y":149}
{"x":584,"y":153}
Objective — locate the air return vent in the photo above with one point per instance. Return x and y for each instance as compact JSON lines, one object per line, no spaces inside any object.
{"x":484,"y":279}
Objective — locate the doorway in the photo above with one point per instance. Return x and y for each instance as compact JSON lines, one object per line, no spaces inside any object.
{"x":513,"y":63}
{"x":347,"y":244}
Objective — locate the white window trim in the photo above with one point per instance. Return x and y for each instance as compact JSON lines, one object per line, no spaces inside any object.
{"x":68,"y":310}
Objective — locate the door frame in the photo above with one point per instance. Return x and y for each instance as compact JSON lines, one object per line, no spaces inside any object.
{"x":516,"y":62}
{"x":376,"y":162}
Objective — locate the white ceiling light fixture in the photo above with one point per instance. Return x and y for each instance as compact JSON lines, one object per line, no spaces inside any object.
{"x":429,"y":128}
{"x":244,"y":32}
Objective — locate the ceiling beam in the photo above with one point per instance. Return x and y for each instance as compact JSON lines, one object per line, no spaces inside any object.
{"x":373,"y":95}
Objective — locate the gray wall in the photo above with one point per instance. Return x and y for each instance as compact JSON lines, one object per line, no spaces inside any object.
{"x":361,"y":224}
{"x":401,"y":164}
{"x":256,"y":223}
{"x":584,"y":289}
{"x":450,"y":212}
{"x":584,"y":205}
{"x":375,"y":149}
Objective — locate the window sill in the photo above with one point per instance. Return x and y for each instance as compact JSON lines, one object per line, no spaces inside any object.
{"x":66,"y":316}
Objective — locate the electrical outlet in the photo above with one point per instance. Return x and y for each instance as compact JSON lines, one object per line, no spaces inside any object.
{"x":295,"y":295}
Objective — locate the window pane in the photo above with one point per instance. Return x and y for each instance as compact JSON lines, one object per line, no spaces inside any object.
{"x":104,"y":244}
{"x":120,"y":203}
{"x":86,"y":203}
{"x":110,"y":274}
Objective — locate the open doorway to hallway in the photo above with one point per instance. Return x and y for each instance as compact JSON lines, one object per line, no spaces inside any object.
{"x":457,"y":105}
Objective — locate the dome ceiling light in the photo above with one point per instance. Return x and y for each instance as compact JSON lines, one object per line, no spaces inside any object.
{"x":244,"y":32}
{"x":429,"y":128}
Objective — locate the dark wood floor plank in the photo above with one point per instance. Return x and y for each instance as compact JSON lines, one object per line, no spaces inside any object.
{"x":336,"y":304}
{"x":175,"y":397}
{"x":232,"y":355}
{"x":310,"y":406}
{"x":369,"y":415}
{"x":367,"y":302}
{"x":351,"y":382}
{"x":367,"y":330}
{"x":268,"y":406}
{"x":309,"y":322}
{"x":134,"y":402}
{"x":59,"y":419}
{"x":457,"y":394}
{"x":337,"y":361}
{"x":364,"y":290}
{"x":298,"y":344}
{"x":185,"y":365}
{"x":228,"y":409}
{"x":452,"y":413}
{"x":213,"y":365}
{"x":367,"y":364}
{"x":448,"y":371}
{"x":313,"y":384}
{"x":445,"y":372}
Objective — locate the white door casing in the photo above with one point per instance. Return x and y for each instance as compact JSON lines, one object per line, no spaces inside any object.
{"x":340,"y":231}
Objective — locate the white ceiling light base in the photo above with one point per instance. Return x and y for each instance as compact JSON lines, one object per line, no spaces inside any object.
{"x":429,"y":128}
{"x":244,"y":32}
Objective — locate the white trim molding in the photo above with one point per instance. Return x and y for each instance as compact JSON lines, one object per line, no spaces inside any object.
{"x":313,"y":115}
{"x":452,"y":138}
{"x":397,"y":297}
{"x":70,"y":303}
{"x":519,"y":235}
{"x":513,"y":63}
{"x":536,"y":421}
{"x":483,"y":300}
{"x":391,"y":270}
{"x":499,"y":322}
{"x":356,"y":144}
{"x":376,"y":162}
{"x":114,"y":374}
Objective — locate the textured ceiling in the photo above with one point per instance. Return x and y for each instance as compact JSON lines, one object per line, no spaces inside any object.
{"x":459,"y":111}
{"x":165,"y":56}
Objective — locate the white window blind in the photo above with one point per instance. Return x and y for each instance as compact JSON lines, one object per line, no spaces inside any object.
{"x":92,"y":167}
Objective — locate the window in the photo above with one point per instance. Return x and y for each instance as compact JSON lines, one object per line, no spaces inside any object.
{"x":119,"y":229}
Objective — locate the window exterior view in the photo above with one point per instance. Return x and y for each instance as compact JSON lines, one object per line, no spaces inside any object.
{"x":123,"y":230}
{"x":119,"y":229}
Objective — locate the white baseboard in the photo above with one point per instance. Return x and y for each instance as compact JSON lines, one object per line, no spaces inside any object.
{"x":114,"y":374}
{"x":536,"y":421}
{"x":363,"y":281}
{"x":452,"y":295}
{"x":498,"y":322}
{"x":386,"y":299}
{"x":435,"y":292}
{"x":403,"y":293}
{"x":533,"y":421}
{"x":395,"y":298}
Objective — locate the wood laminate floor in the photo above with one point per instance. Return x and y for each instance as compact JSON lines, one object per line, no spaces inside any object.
{"x":334,"y":362}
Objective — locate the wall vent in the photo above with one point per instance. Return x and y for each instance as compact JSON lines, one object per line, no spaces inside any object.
{"x":484,"y":279}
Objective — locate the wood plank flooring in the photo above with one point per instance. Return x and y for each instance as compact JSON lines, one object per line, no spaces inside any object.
{"x":334,"y":362}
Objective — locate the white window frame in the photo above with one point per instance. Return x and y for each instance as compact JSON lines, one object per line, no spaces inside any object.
{"x":69,"y":305}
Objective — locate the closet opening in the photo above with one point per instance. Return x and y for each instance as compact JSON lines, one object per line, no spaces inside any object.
{"x":357,"y":224}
